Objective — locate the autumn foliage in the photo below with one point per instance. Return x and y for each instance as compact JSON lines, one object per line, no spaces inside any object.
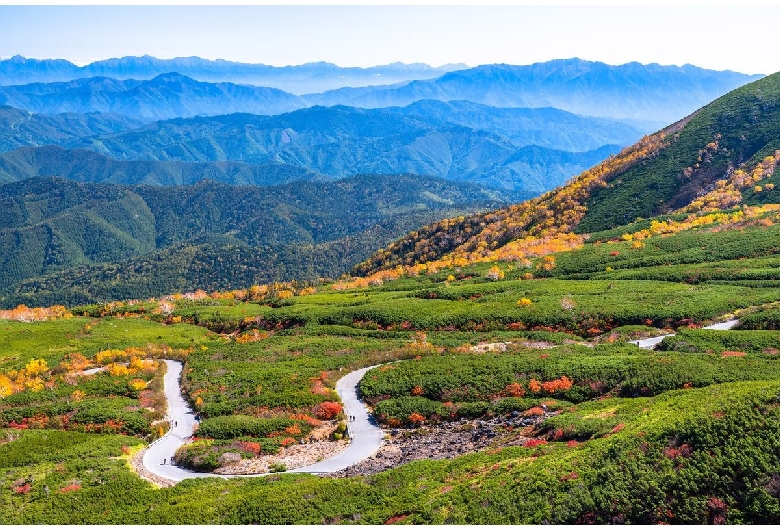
{"x":534,"y":228}
{"x":22,"y":313}
{"x":327,"y":410}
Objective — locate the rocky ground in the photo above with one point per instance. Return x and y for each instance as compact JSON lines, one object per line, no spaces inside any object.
{"x":428,"y":442}
{"x":291,"y":457}
{"x":445,"y":441}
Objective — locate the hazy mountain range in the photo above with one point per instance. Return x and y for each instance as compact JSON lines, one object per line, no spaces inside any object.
{"x":634,"y":91}
{"x":165,"y":96}
{"x":541,"y":148}
{"x":301,"y":79}
{"x":651,"y":95}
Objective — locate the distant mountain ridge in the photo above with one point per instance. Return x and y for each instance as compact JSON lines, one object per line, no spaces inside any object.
{"x":82,"y":165}
{"x":343,"y":141}
{"x":298,"y":79}
{"x":539,"y":148}
{"x":543,"y":126}
{"x":169,"y":95}
{"x":650,"y":95}
{"x":653,"y":93}
{"x":21,"y":128}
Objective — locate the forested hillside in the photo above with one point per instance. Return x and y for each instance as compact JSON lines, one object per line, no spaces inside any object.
{"x":82,"y":165}
{"x":299,"y":230}
{"x":20,"y":128}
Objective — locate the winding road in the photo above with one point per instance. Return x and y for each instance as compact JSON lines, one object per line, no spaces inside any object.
{"x":365,"y":435}
{"x":649,"y":344}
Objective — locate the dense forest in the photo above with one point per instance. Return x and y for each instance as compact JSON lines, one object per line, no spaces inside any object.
{"x":64,"y":241}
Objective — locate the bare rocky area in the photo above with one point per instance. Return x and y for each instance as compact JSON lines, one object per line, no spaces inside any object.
{"x":291,"y":457}
{"x":445,"y":441}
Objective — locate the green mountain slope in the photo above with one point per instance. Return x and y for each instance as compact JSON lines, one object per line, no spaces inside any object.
{"x":705,"y":161}
{"x":736,"y":130}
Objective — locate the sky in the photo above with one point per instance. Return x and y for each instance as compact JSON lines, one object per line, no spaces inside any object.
{"x":735,"y":38}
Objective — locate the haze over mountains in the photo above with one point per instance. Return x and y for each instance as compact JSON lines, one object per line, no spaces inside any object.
{"x":649,"y":93}
{"x":300,"y":79}
{"x":652,"y":94}
{"x":343,"y":141}
{"x":165,"y":96}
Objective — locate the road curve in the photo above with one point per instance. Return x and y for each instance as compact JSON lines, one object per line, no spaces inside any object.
{"x":366,"y":436}
{"x":649,"y":344}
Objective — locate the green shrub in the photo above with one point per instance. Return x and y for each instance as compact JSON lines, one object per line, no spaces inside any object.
{"x":229,"y":427}
{"x":401,"y":408}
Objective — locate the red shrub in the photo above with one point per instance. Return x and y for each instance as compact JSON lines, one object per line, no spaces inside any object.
{"x":672,"y":453}
{"x":534,"y":411}
{"x":313,"y":422}
{"x":23,"y":489}
{"x":416,"y":418}
{"x":251,"y":447}
{"x":396,"y":518}
{"x":718,"y":510}
{"x":514,"y":389}
{"x":327,"y":410}
{"x":557,"y":385}
{"x":534,"y":443}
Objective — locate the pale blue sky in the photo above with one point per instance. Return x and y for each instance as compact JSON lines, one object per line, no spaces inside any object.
{"x":718,"y":37}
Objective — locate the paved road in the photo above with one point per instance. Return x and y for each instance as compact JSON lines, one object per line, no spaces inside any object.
{"x":366,"y":436}
{"x":364,"y":432}
{"x":649,"y":344}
